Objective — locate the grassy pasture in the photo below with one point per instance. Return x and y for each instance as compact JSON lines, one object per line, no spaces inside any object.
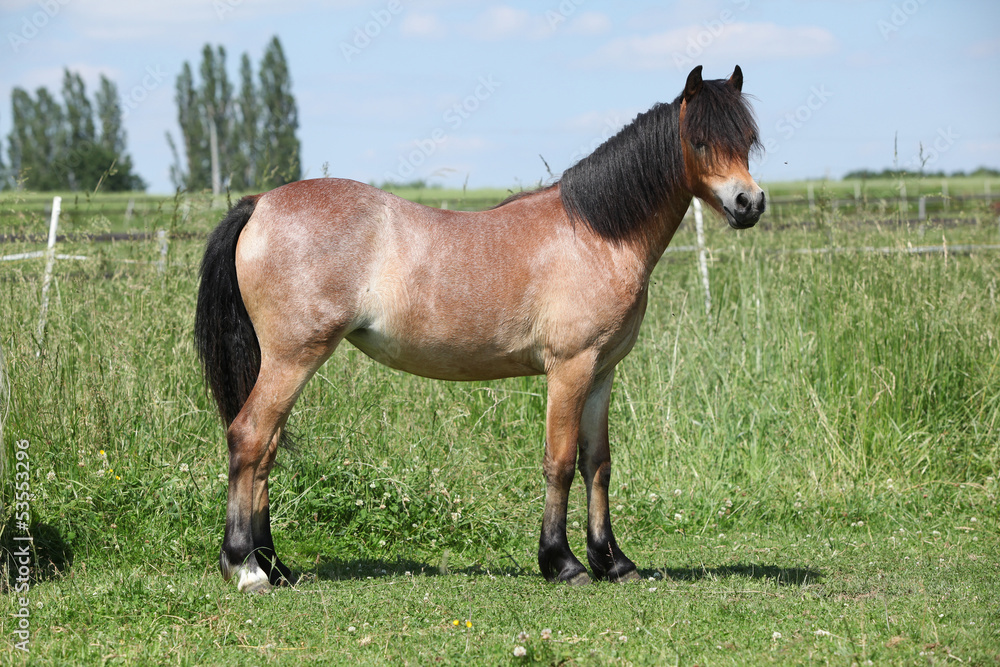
{"x":811,"y":477}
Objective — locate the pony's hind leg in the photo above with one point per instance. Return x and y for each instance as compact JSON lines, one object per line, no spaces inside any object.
{"x":260,"y":523}
{"x":247,"y":548}
{"x":606,"y":560}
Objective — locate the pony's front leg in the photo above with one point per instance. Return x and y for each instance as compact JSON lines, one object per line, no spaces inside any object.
{"x":606,"y":560}
{"x":567,"y":391}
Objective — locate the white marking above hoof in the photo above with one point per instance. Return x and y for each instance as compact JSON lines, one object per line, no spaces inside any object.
{"x":253,"y":581}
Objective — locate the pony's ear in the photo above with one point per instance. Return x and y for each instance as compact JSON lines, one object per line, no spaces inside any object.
{"x":693,"y":84}
{"x":736,"y":80}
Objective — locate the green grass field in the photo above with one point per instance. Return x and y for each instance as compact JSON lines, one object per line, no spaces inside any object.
{"x":811,"y":477}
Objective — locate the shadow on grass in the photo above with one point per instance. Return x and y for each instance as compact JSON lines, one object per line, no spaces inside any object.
{"x":336,"y":569}
{"x":45,"y":554}
{"x":782,"y":576}
{"x":354,"y":569}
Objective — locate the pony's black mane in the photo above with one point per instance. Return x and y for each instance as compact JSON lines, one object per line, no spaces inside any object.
{"x":627,"y":180}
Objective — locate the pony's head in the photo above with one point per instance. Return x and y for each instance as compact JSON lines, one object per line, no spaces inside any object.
{"x":718,"y":134}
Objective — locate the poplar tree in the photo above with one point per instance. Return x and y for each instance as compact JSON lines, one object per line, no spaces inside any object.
{"x":280,"y":149}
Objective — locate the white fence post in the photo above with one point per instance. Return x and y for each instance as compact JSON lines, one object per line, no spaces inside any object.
{"x":702,"y":257}
{"x":4,"y":403}
{"x":50,"y":264}
{"x":161,"y":236}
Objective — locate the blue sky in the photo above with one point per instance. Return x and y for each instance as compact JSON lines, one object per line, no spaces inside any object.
{"x":454,"y":91}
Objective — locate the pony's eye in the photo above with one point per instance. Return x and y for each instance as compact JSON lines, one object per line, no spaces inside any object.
{"x":701,"y":147}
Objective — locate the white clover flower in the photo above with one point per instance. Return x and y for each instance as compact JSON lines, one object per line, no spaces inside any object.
{"x":520,"y":652}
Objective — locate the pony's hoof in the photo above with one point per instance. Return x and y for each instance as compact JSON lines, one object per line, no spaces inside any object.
{"x":253,"y":580}
{"x":580,"y":579}
{"x":631,"y":575}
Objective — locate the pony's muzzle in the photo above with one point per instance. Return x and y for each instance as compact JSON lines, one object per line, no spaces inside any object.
{"x":746,"y":209}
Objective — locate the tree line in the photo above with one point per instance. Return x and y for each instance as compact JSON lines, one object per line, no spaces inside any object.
{"x":863,"y":174}
{"x":241,"y":139}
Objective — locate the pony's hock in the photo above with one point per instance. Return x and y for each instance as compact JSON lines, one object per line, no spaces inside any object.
{"x":551,"y":282}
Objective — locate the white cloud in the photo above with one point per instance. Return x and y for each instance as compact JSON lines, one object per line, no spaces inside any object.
{"x":505,"y":23}
{"x":590,"y":23}
{"x":130,"y":21}
{"x":501,"y":22}
{"x":698,"y":44}
{"x":423,"y":25}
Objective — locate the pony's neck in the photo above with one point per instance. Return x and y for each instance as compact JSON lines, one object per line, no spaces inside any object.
{"x":658,"y":231}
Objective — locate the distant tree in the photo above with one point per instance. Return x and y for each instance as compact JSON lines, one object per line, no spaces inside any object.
{"x":280,"y":120}
{"x":215,"y":99}
{"x":196,"y":172}
{"x":246,"y":130}
{"x":37,"y":138}
{"x":109,"y":116}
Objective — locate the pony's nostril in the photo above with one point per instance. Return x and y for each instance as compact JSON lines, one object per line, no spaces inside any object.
{"x":742,"y":201}
{"x":763,"y":200}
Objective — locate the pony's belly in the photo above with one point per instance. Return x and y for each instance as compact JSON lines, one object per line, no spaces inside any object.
{"x":443,"y":360}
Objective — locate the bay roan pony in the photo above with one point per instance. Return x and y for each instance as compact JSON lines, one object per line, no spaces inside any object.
{"x":549,"y":282}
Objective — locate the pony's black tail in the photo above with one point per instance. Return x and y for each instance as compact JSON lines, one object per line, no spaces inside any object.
{"x":223,"y":332}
